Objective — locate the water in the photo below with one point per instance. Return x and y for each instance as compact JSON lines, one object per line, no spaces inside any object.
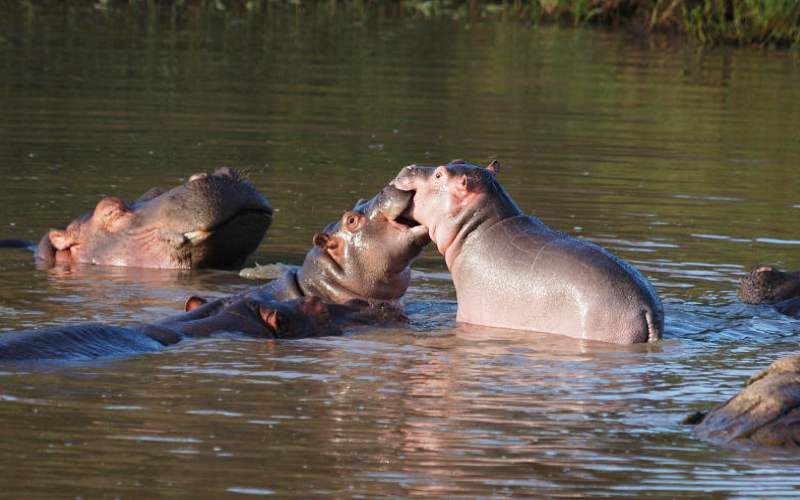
{"x":683,"y":162}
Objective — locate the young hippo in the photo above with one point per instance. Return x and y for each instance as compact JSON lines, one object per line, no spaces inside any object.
{"x":766,"y":412}
{"x":212,"y":220}
{"x":362,"y":261}
{"x":767,"y":285}
{"x":510,"y":270}
{"x":255,"y":316}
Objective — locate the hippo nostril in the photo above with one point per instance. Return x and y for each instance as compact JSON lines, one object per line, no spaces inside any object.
{"x":198,"y":176}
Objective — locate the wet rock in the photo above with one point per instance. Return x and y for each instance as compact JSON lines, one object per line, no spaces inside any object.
{"x":766,"y":412}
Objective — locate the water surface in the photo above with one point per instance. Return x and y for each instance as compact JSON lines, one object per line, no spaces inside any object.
{"x":683,"y":162}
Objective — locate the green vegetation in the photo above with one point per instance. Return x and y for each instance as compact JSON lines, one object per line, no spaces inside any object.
{"x":743,"y":22}
{"x":740,"y":22}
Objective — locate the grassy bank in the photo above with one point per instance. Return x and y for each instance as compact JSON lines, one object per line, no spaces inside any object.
{"x":742,"y":22}
{"x":774,"y":23}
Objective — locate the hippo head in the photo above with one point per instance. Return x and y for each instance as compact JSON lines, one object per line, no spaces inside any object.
{"x":767,"y":285}
{"x":253,"y":315}
{"x":445,"y":196}
{"x":367,"y":253}
{"x":212,"y":220}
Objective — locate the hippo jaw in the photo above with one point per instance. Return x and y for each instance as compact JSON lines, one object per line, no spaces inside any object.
{"x":366,"y":254}
{"x":212,"y":220}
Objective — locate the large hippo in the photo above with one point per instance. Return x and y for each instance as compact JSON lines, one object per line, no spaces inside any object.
{"x":212,"y":220}
{"x":256,"y":316}
{"x":766,"y":412}
{"x":767,"y":285}
{"x":362,"y":260}
{"x":510,"y":270}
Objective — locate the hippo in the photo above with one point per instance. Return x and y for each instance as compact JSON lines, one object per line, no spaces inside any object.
{"x":766,"y":412}
{"x":360,"y":261}
{"x":212,"y":220}
{"x":359,"y":265}
{"x":259,"y":317}
{"x":510,"y":270}
{"x":767,"y":285}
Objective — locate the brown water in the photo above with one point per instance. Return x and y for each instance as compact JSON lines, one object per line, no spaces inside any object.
{"x":684,"y":162}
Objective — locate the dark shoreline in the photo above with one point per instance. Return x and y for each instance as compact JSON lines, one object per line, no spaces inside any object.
{"x":760,"y":23}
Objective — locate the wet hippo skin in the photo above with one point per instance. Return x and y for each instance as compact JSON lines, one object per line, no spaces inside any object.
{"x":510,"y":270}
{"x":254,"y":316}
{"x":361,"y":262}
{"x":212,"y":220}
{"x":360,"y":265}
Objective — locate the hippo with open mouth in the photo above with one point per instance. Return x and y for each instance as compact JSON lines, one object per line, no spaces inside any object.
{"x":510,"y":270}
{"x":254,"y":316}
{"x":362,"y":260}
{"x":212,"y":220}
{"x":358,"y":265}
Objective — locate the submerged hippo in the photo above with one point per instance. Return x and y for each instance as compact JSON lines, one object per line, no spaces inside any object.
{"x":766,"y":412}
{"x":767,"y":285}
{"x":510,"y":270}
{"x":212,"y":220}
{"x":255,"y":316}
{"x":362,"y":260}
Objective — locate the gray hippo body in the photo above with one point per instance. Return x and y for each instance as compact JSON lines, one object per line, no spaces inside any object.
{"x":211,"y":220}
{"x":766,"y":412}
{"x":511,"y":270}
{"x":359,"y":266}
{"x":361,"y":261}
{"x":255,"y":316}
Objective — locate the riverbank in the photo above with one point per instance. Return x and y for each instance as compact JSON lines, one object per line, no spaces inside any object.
{"x":767,"y":23}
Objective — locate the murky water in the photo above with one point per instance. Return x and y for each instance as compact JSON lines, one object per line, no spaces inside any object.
{"x":681,"y":161}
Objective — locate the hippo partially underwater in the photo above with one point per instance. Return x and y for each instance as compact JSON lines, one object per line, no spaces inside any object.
{"x":766,"y":412}
{"x":212,"y":220}
{"x":363,"y":259}
{"x":260,"y":317}
{"x":767,"y":285}
{"x":510,"y":270}
{"x":358,"y":265}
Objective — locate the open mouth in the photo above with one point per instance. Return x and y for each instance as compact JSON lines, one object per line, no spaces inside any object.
{"x":200,"y":235}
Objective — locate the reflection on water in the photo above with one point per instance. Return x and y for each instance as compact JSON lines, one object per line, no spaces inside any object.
{"x":682,"y":162}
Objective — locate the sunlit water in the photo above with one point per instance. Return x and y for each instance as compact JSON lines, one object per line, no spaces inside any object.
{"x":681,"y":161}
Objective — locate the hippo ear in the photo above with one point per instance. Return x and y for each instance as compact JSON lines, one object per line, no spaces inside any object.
{"x":60,"y":239}
{"x":193,"y":302}
{"x":493,"y":167}
{"x":321,"y":239}
{"x":271,"y":317}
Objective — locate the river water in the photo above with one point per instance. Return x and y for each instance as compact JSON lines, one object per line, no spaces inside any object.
{"x":682,"y":161}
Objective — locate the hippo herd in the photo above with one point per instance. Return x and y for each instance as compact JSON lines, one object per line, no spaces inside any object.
{"x":509,"y":270}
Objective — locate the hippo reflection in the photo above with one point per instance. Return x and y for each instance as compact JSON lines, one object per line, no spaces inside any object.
{"x":212,"y":220}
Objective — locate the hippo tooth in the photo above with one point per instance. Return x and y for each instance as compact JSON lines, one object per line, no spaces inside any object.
{"x":196,"y":236}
